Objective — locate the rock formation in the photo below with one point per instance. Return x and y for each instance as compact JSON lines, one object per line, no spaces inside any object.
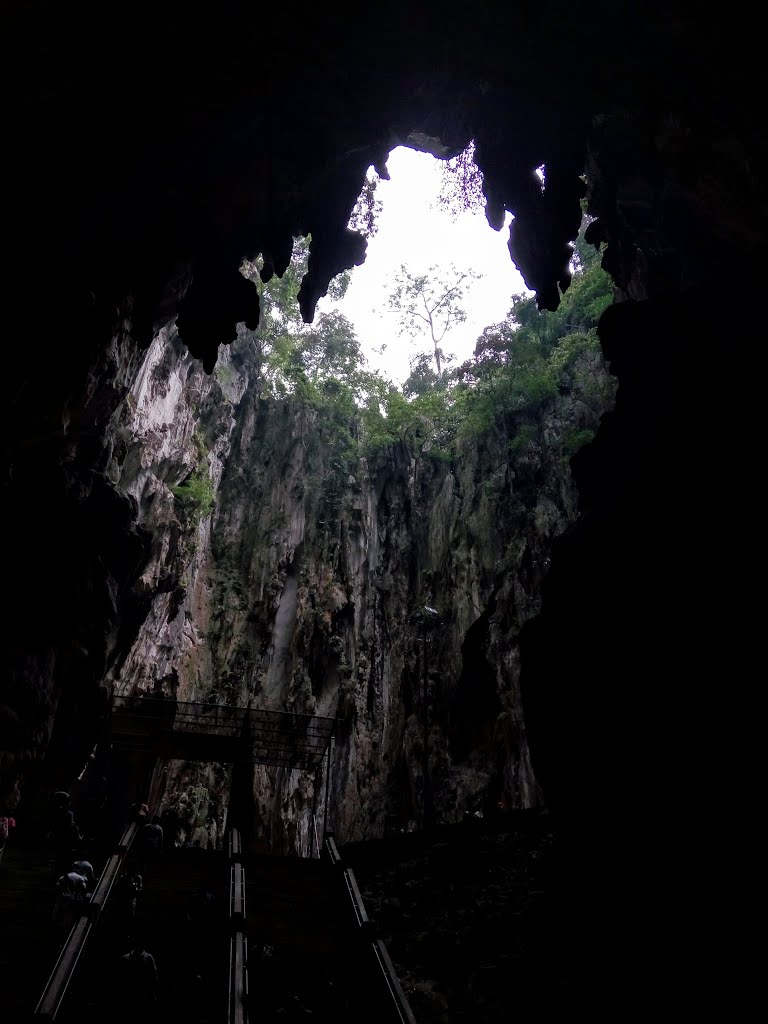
{"x":148,"y":154}
{"x":388,"y":590}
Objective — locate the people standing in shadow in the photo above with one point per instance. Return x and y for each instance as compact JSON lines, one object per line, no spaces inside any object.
{"x":69,"y":904}
{"x":139,"y":984}
{"x":63,"y":833}
{"x":140,"y":813}
{"x":128,"y":892}
{"x":150,"y":842}
{"x":84,"y":868}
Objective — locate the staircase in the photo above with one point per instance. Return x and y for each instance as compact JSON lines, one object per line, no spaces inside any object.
{"x":291,"y":901}
{"x":192,"y":961}
{"x":302,"y":948}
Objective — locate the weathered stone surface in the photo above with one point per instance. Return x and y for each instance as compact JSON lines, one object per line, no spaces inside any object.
{"x":389,"y":592}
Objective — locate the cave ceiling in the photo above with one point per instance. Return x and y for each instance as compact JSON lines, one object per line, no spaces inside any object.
{"x":152,"y":152}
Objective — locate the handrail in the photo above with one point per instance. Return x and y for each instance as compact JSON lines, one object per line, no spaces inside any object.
{"x":61,"y":975}
{"x":236,"y":894}
{"x":66,"y":964}
{"x":361,"y":915}
{"x":332,"y":851}
{"x":237,"y":1007}
{"x":317,"y":841}
{"x":111,"y":871}
{"x":401,"y":1010}
{"x":237,"y":1010}
{"x":151,"y":707}
{"x":286,"y":739}
{"x":234,"y":844}
{"x":398,"y":997}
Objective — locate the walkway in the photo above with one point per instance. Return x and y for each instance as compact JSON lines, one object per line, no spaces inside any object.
{"x":216,"y":732}
{"x":192,"y":959}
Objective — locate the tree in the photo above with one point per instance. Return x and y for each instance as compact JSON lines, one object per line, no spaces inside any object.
{"x":430,"y":302}
{"x":283,"y":345}
{"x":525,"y":361}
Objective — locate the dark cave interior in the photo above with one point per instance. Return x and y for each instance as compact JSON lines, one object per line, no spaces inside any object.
{"x":150,"y":153}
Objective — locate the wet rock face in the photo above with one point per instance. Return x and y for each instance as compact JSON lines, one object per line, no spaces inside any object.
{"x":389,"y":592}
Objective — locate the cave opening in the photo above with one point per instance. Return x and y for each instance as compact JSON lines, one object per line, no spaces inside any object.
{"x":134,"y":204}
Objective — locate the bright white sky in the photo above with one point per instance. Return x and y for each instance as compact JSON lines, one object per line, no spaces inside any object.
{"x":413,"y":231}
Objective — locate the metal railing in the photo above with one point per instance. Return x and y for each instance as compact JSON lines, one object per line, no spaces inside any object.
{"x":285,"y":739}
{"x":385,"y":970}
{"x":58,"y":983}
{"x":111,"y":872}
{"x":237,"y":1009}
{"x":317,"y":850}
{"x":69,"y":957}
{"x":397,"y":998}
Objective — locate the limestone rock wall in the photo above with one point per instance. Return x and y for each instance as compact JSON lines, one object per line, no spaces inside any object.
{"x":389,"y":592}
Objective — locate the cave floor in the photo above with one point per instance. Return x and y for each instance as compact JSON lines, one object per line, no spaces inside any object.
{"x":471,"y":916}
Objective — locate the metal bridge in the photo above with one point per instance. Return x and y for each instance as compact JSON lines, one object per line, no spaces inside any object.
{"x":309,"y":909}
{"x":193,"y":731}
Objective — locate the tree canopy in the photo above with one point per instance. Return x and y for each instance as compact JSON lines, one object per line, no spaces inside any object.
{"x":519,"y":365}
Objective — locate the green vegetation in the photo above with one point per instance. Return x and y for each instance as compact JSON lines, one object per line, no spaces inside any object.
{"x":520,"y":367}
{"x":196,"y":495}
{"x":224,"y":374}
{"x":321,"y":363}
{"x":575,"y":439}
{"x":525,"y":436}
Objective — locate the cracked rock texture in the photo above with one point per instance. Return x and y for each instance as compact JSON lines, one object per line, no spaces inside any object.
{"x":389,"y":592}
